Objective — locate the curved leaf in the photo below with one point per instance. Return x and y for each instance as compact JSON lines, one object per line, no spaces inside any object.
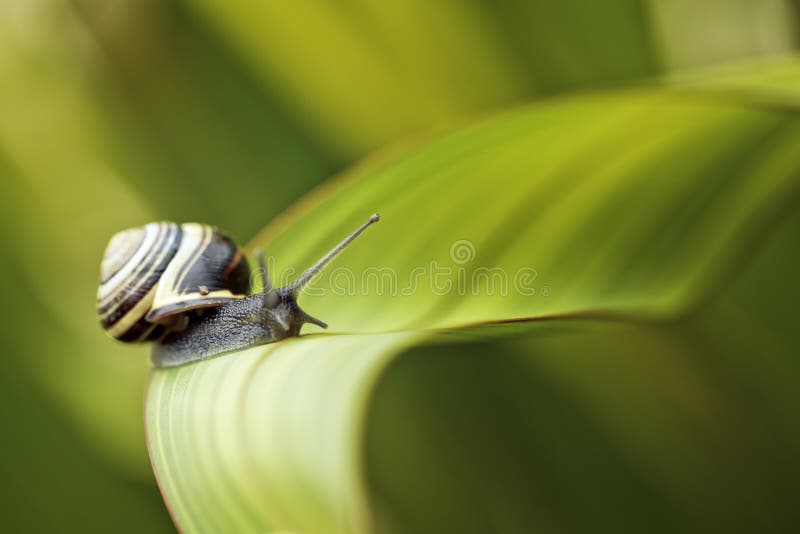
{"x":631,"y":203}
{"x":598,"y":426}
{"x":619,"y":201}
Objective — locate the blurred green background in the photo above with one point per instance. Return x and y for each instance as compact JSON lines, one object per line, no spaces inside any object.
{"x":114,"y":113}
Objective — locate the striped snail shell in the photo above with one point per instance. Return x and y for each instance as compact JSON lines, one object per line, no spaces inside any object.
{"x":152,"y":275}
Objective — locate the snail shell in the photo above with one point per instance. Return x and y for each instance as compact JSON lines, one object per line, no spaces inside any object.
{"x":151,"y":276}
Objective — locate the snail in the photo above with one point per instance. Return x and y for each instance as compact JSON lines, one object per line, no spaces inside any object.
{"x":187,"y":288}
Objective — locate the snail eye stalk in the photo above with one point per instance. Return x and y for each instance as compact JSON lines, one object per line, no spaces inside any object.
{"x":270,"y":296}
{"x":302,"y":282}
{"x":266,"y":282}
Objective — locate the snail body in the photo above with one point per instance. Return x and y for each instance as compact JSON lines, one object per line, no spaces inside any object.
{"x":241,"y":324}
{"x":187,"y":288}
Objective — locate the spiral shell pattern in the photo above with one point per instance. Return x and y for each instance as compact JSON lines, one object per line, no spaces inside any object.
{"x":152,"y":273}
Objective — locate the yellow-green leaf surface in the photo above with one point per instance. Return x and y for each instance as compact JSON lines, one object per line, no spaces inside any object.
{"x":376,"y":70}
{"x":630,"y":204}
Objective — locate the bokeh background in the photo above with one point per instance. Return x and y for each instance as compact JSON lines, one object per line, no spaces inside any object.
{"x":117,"y":112}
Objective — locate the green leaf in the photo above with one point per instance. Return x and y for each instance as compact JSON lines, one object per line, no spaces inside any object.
{"x":630,"y":204}
{"x":602,"y":426}
{"x":623,"y":201}
{"x":378,"y":70}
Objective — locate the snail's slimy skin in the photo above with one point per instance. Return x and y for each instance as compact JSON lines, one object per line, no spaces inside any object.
{"x":248,"y":322}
